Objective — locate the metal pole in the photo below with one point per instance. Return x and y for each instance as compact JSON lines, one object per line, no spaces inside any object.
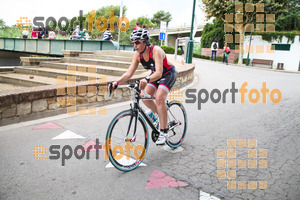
{"x":247,"y":63}
{"x":189,"y":53}
{"x":121,"y":13}
{"x":176,"y":48}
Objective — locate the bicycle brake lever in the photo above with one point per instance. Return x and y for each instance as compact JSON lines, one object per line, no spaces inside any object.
{"x":110,"y":88}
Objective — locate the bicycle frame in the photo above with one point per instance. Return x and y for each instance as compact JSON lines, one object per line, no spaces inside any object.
{"x":136,"y":109}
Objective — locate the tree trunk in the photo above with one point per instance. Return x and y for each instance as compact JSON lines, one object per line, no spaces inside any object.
{"x":241,"y":49}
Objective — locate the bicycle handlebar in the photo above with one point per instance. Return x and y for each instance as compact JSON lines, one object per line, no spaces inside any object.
{"x":134,"y":86}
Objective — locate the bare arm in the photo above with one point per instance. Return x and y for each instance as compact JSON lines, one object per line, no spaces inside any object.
{"x":134,"y":64}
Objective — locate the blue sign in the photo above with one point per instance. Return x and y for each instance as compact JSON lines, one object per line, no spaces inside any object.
{"x":162,"y":36}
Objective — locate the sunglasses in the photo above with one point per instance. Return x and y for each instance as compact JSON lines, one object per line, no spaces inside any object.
{"x":136,"y":42}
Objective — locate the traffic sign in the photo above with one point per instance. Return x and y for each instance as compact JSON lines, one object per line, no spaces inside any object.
{"x":163,"y":26}
{"x":162,"y":36}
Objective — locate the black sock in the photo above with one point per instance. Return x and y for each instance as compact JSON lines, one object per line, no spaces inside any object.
{"x":164,"y":130}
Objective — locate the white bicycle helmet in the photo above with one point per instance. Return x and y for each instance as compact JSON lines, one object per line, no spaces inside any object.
{"x":107,"y":34}
{"x":139,"y":34}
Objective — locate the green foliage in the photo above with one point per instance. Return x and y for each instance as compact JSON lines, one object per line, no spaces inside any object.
{"x":105,"y":11}
{"x":218,"y":8}
{"x":11,"y":32}
{"x":154,"y":41}
{"x":197,"y":49}
{"x":143,"y":20}
{"x":220,"y":59}
{"x":278,"y":36}
{"x":289,"y":21}
{"x":237,"y":60}
{"x":161,"y":16}
{"x":196,"y":55}
{"x":96,"y":34}
{"x":2,"y":23}
{"x":212,"y":31}
{"x":287,"y":12}
{"x":168,"y":50}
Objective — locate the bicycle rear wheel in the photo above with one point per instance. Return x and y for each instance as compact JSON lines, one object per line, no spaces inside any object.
{"x":126,"y":154}
{"x":177,"y":123}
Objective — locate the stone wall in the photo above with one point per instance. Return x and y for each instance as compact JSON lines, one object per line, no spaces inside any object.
{"x":31,"y":103}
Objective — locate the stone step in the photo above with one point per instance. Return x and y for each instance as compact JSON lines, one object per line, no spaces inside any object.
{"x":26,"y":80}
{"x":106,"y":70}
{"x":119,"y":53}
{"x":35,"y":61}
{"x":72,"y":53}
{"x":94,"y":61}
{"x":106,"y":57}
{"x":54,"y":73}
{"x":7,"y":87}
{"x":6,"y":69}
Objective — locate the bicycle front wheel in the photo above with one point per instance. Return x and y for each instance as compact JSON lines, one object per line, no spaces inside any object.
{"x":126,"y":153}
{"x":177,"y":123}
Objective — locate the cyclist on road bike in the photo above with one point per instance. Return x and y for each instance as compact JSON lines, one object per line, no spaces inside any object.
{"x":162,"y":78}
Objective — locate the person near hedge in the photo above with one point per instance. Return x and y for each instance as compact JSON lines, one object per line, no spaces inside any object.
{"x":180,"y":43}
{"x":214,"y":48}
{"x":226,"y":50}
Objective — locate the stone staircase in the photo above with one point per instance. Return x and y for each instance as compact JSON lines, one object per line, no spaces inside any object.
{"x":37,"y":71}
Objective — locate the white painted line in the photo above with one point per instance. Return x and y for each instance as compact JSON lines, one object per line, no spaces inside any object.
{"x":207,"y":196}
{"x":68,"y":135}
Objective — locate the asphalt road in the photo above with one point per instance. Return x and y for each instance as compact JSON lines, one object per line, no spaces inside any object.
{"x":274,"y":127}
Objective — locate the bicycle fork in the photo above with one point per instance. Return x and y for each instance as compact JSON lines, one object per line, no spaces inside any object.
{"x":135,"y":114}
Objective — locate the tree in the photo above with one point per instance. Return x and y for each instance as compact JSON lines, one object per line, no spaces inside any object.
{"x":220,"y":9}
{"x":2,"y":23}
{"x":212,"y":31}
{"x":161,"y":16}
{"x":289,"y":20}
{"x":143,"y":20}
{"x":105,"y":12}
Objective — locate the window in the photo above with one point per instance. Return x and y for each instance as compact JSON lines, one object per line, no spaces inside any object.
{"x":282,"y":47}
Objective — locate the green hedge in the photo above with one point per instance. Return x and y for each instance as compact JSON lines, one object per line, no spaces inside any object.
{"x":219,"y":58}
{"x":171,"y":50}
{"x":196,"y":55}
{"x":237,"y":60}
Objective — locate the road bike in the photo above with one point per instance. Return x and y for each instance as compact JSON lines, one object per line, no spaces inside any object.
{"x":127,"y":137}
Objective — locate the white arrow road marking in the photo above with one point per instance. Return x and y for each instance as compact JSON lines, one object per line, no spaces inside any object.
{"x":68,"y":135}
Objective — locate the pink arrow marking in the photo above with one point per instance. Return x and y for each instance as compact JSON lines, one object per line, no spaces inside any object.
{"x":49,"y":125}
{"x":161,"y":180}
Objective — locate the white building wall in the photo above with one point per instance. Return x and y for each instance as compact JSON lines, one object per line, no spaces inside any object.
{"x":290,"y":58}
